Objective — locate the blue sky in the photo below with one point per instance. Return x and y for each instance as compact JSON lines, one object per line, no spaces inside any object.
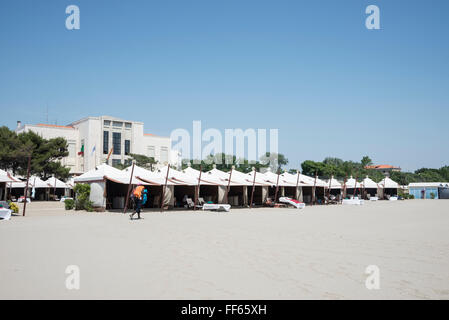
{"x":308,"y":68}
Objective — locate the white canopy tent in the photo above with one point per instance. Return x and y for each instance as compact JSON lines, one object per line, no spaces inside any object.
{"x":146,"y":176}
{"x":56,"y":183}
{"x":333,"y":183}
{"x":351,"y":184}
{"x":238,"y":186}
{"x":388,"y":183}
{"x":97,"y":179}
{"x":390,"y":187}
{"x":205,"y":177}
{"x":368,"y":183}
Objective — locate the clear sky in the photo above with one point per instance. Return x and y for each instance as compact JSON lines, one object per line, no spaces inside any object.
{"x":308,"y":68}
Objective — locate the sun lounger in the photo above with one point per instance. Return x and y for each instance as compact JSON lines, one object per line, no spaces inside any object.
{"x":293,"y":202}
{"x":217,"y":207}
{"x":191,"y":204}
{"x":393,"y":198}
{"x":23,"y":198}
{"x":353,"y":201}
{"x":5,"y":214}
{"x":373,"y":198}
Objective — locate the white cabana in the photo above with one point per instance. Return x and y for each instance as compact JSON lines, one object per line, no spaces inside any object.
{"x":38,"y":183}
{"x":205,"y":177}
{"x":236,"y":179}
{"x":368,"y":183}
{"x":333,"y":183}
{"x":284,"y":180}
{"x":147,"y":176}
{"x":56,"y":183}
{"x":351,"y":184}
{"x":388,"y":183}
{"x":177,"y":177}
{"x":98,"y":178}
{"x":389,"y":188}
{"x":7,"y":177}
{"x":238,"y":186}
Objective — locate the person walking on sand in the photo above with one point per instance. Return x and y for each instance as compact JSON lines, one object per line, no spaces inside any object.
{"x":138,"y":195}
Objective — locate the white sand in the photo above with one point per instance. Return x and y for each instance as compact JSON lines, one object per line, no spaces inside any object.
{"x":319,"y":252}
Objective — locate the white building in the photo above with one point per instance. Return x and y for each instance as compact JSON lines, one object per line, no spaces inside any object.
{"x":96,"y":136}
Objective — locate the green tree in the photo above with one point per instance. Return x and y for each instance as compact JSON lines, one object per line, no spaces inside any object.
{"x":45,"y":154}
{"x":274,"y":160}
{"x":141,"y":161}
{"x":366,"y":161}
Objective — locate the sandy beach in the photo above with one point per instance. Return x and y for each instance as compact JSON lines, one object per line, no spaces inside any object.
{"x":320,"y":252}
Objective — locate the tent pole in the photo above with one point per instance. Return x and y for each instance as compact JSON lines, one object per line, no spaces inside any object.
{"x":129,"y":188}
{"x":229,"y":185}
{"x":277,"y":186}
{"x":252,"y":191}
{"x":355,"y":185}
{"x":164,"y":187}
{"x":314,"y":189}
{"x":54,"y":190}
{"x":197,"y":192}
{"x":26,"y":187}
{"x":297,"y":183}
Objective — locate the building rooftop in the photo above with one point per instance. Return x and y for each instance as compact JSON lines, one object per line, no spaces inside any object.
{"x":382,"y":166}
{"x":54,"y":126}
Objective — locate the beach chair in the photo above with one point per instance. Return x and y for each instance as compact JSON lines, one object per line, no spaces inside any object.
{"x":191,"y":204}
{"x":217,"y":207}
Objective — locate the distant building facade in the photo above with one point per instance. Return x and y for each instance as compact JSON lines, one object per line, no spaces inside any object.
{"x":386,"y":169}
{"x":91,"y":139}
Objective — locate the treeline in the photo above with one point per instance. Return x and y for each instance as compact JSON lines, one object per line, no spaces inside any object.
{"x":341,"y":169}
{"x":422,"y":175}
{"x":45,"y":154}
{"x":325,"y":169}
{"x":224,"y":162}
{"x":344,"y":169}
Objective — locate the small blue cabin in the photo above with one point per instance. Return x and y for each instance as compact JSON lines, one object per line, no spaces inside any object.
{"x":424,"y":190}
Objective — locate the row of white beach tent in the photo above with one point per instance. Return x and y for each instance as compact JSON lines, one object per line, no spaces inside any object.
{"x":224,"y":181}
{"x":13,"y":183}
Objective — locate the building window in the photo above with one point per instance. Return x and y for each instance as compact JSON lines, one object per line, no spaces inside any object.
{"x":117,"y":124}
{"x":107,"y":123}
{"x":127,"y":147}
{"x":151,"y":152}
{"x":105,"y":142}
{"x":116,"y":162}
{"x":71,"y":148}
{"x":117,"y":142}
{"x":127,"y":125}
{"x":164,"y":154}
